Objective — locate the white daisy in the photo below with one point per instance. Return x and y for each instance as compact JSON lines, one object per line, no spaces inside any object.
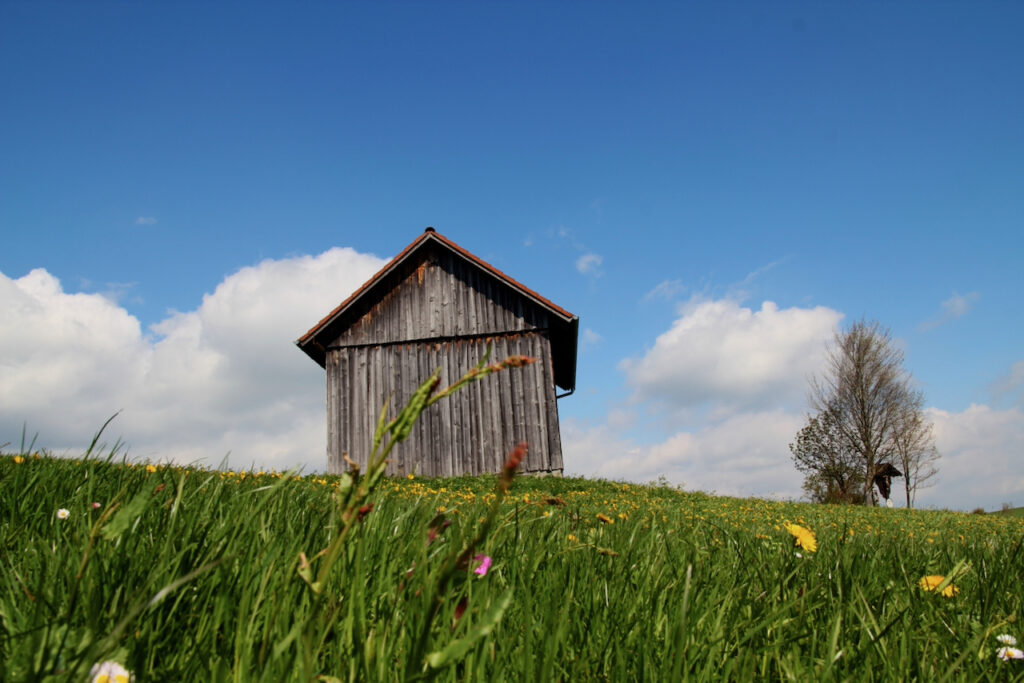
{"x":109,"y":672}
{"x":1008,"y":653}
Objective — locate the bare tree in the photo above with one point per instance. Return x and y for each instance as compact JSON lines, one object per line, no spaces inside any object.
{"x":914,"y":447}
{"x":867,"y":389}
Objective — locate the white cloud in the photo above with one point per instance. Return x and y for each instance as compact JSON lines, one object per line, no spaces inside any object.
{"x":958,"y":305}
{"x":666,"y":289}
{"x":1011,"y":384}
{"x":725,"y":357}
{"x":981,"y":459}
{"x":952,"y":308}
{"x":226,"y":376}
{"x":761,"y":270}
{"x":145,"y":220}
{"x":590,"y":338}
{"x":119,"y":291}
{"x":747,"y":454}
{"x":749,"y":370}
{"x":223,"y":377}
{"x":589,"y":264}
{"x":744,"y":455}
{"x":742,"y":289}
{"x":63,"y":353}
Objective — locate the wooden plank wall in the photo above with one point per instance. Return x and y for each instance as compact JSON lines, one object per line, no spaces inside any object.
{"x":469,"y":433}
{"x":444,"y":297}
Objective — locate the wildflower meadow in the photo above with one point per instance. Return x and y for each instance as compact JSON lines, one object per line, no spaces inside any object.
{"x":114,"y":570}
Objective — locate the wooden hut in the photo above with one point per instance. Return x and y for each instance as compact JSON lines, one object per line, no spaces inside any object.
{"x":435,"y":305}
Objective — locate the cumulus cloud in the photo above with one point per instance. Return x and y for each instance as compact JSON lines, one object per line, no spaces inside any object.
{"x":589,"y":264}
{"x":223,"y":377}
{"x":744,"y":455}
{"x":226,"y":377}
{"x":748,"y":455}
{"x":723,"y":356}
{"x":749,"y":369}
{"x":952,"y":308}
{"x":62,"y":352}
{"x":981,"y":459}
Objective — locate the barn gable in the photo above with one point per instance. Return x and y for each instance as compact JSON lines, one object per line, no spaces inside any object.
{"x":436,"y":305}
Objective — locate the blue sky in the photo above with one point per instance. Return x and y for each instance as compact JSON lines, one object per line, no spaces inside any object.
{"x":175,"y":176}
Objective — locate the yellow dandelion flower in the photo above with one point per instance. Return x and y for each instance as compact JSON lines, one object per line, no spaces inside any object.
{"x":18,"y":459}
{"x":572,"y":538}
{"x":930,"y":583}
{"x":605,"y":519}
{"x":804,"y":538}
{"x":151,"y":468}
{"x":410,"y":477}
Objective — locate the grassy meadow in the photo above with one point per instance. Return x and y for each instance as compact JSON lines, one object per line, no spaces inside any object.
{"x":189,"y":574}
{"x":117,"y":569}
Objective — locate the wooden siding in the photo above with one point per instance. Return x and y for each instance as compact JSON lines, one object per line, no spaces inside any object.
{"x":442,"y":297}
{"x":468,"y":433}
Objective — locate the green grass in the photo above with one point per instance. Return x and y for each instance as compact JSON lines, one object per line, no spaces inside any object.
{"x":180,"y":573}
{"x":185,"y":574}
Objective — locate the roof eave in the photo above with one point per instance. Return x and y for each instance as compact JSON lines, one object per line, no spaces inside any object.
{"x":314,"y":350}
{"x":571,"y":351}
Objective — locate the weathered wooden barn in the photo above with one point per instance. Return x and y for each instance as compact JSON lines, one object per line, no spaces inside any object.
{"x":435,"y":305}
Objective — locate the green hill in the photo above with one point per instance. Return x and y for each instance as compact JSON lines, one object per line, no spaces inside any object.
{"x":177,"y":573}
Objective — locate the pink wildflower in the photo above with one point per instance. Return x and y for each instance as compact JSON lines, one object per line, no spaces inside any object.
{"x":484,"y":566}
